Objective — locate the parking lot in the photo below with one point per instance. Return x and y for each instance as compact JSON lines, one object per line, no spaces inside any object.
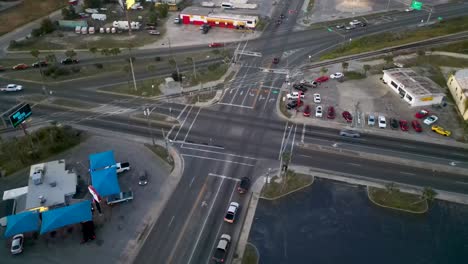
{"x":120,"y":226}
{"x":369,"y":96}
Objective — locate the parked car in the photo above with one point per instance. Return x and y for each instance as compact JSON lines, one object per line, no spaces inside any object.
{"x":300,"y":87}
{"x":20,"y":66}
{"x":347,"y":116}
{"x":421,"y":114}
{"x":293,"y":104}
{"x":371,"y":120}
{"x":441,"y":131}
{"x":307,"y":111}
{"x":350,"y":27}
{"x":322,"y":79}
{"x":143,"y":178}
{"x":349,"y":133}
{"x":363,"y":24}
{"x":340,"y":26}
{"x":318,"y":111}
{"x":382,"y":122}
{"x":17,"y":244}
{"x":404,"y":125}
{"x":12,"y":88}
{"x":317,"y":98}
{"x":215,"y":45}
{"x":38,"y":64}
{"x":308,"y":84}
{"x":221,"y":251}
{"x":416,"y":126}
{"x":355,"y":22}
{"x":69,"y":61}
{"x":231,"y":212}
{"x":393,"y":123}
{"x":275,"y":60}
{"x":331,"y":112}
{"x":337,"y":75}
{"x":430,"y":120}
{"x":294,"y":95}
{"x":154,"y":32}
{"x":244,"y":185}
{"x":120,"y":167}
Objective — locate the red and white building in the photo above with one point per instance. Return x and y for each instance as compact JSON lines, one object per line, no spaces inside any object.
{"x":201,"y":15}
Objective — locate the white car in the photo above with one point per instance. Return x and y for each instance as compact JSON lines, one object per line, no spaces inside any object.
{"x":371,"y":120}
{"x":410,"y":9}
{"x":12,"y":88}
{"x":382,"y":122}
{"x":17,"y":244}
{"x":430,"y":120}
{"x":355,"y":22}
{"x":336,"y":75}
{"x":317,"y":98}
{"x":294,"y":95}
{"x":231,"y":212}
{"x":318,"y":111}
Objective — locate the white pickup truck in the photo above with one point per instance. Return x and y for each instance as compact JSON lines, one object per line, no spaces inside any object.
{"x":121,"y":167}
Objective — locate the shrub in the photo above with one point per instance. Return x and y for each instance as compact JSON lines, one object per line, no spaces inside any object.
{"x":176,"y":77}
{"x":99,"y":65}
{"x":75,"y":69}
{"x":157,"y":58}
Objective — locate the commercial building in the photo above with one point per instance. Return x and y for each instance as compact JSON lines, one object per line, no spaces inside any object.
{"x":202,"y":15}
{"x":414,"y":89}
{"x":458,"y":86}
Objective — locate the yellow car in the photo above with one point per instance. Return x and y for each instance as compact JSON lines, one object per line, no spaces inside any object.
{"x":441,"y":131}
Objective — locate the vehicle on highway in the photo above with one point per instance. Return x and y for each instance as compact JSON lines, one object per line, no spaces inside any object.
{"x":317,"y":98}
{"x":421,"y":113}
{"x":349,"y":133}
{"x":331,"y":112}
{"x":215,"y":45}
{"x":307,"y":111}
{"x":347,"y":116}
{"x":244,"y":185}
{"x":205,"y":26}
{"x":279,"y":22}
{"x":336,"y":75}
{"x":282,"y":16}
{"x":20,"y":66}
{"x":430,"y":120}
{"x":416,"y":126}
{"x":221,"y":251}
{"x":12,"y":88}
{"x":69,"y":61}
{"x":231,"y":212}
{"x":404,"y":125}
{"x":17,"y":244}
{"x":300,"y":87}
{"x":371,"y":120}
{"x":275,"y":60}
{"x":294,"y":95}
{"x":441,"y":131}
{"x":38,"y":64}
{"x":393,"y":123}
{"x":293,"y":104}
{"x":318,"y":111}
{"x":363,"y":24}
{"x":143,"y":178}
{"x":354,"y":22}
{"x":409,"y":9}
{"x":382,"y":122}
{"x":322,"y":79}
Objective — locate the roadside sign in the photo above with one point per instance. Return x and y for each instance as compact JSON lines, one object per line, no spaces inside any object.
{"x":439,"y":18}
{"x":330,"y":29}
{"x":20,"y":115}
{"x":274,"y":91}
{"x":416,"y":5}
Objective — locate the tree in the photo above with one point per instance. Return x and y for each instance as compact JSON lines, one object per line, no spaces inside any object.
{"x":51,"y":58}
{"x":429,"y":194}
{"x":172,"y":62}
{"x":105,"y":52}
{"x":344,"y":65}
{"x":163,"y":10}
{"x":388,"y":59}
{"x":153,"y":17}
{"x":391,"y":187}
{"x":421,"y":52}
{"x":70,"y":53}
{"x":69,"y":13}
{"x":366,"y":68}
{"x":323,"y":70}
{"x":92,"y":3}
{"x":47,"y":26}
{"x":35,"y":53}
{"x":93,"y":50}
{"x":114,"y":51}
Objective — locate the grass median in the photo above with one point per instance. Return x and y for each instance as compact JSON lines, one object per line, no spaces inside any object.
{"x":163,"y":153}
{"x":395,"y":199}
{"x":250,"y":255}
{"x":291,"y":182}
{"x":145,"y":88}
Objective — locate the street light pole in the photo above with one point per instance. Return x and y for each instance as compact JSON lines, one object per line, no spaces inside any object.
{"x":429,"y":16}
{"x":129,"y":48}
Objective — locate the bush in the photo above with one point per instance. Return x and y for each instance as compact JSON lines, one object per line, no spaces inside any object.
{"x":47,"y":26}
{"x":37,"y":32}
{"x":13,"y":44}
{"x":75,"y":69}
{"x":99,"y":65}
{"x":60,"y":72}
{"x":157,"y":58}
{"x":176,"y":77}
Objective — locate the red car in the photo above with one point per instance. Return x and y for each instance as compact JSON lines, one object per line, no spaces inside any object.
{"x":421,"y":114}
{"x":215,"y":45}
{"x":331,"y":112}
{"x":322,"y":79}
{"x":417,"y":126}
{"x":404,"y":125}
{"x":307,"y":111}
{"x":275,"y":60}
{"x":21,"y":66}
{"x":347,"y":116}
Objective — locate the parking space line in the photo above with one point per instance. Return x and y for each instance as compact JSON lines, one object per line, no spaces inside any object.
{"x":228,"y":161}
{"x":224,"y":177}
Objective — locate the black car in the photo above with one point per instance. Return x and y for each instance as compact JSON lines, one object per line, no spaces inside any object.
{"x":69,"y":61}
{"x":244,"y":185}
{"x":282,"y":16}
{"x":143,"y":178}
{"x":362,"y":24}
{"x":300,"y":87}
{"x":278,"y":22}
{"x":393,"y":123}
{"x":39,"y":64}
{"x":293,"y":104}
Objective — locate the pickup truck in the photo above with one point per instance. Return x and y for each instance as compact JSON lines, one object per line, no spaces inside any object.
{"x":120,"y":197}
{"x":221,"y":250}
{"x":121,"y":167}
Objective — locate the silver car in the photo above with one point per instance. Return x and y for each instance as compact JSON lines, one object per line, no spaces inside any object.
{"x":371,"y":120}
{"x":349,"y":133}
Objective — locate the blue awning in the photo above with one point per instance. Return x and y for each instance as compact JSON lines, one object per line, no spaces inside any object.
{"x":68,"y":215}
{"x":105,"y":181}
{"x":101,"y":160}
{"x":23,"y":222}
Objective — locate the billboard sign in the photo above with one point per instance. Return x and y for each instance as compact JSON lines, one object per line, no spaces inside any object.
{"x":416,"y":5}
{"x":20,"y":115}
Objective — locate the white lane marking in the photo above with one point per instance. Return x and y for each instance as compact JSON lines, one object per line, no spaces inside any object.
{"x":282,"y":141}
{"x":170,"y":131}
{"x":303,"y":133}
{"x":294,"y":139}
{"x":181,"y":112}
{"x":229,"y":161}
{"x":354,"y":164}
{"x":246,"y":94}
{"x":183,"y":123}
{"x":217,"y":152}
{"x":267,"y":100}
{"x":460,"y":182}
{"x":407,"y":173}
{"x":172,"y":219}
{"x":224,"y":177}
{"x":195,"y":144}
{"x":190,"y":185}
{"x":191,"y":125}
{"x":204,"y":222}
{"x":241,"y":106}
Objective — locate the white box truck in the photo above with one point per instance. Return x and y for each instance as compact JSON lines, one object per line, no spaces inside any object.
{"x":100,"y":17}
{"x":124,"y":25}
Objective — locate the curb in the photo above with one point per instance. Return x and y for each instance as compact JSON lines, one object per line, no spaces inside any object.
{"x":295,"y":190}
{"x":395,"y":208}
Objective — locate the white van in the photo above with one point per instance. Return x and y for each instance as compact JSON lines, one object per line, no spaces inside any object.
{"x":226,"y":5}
{"x":101,"y":17}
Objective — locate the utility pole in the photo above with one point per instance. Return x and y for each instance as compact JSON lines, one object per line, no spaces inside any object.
{"x":129,"y":48}
{"x":172,"y":56}
{"x":388,"y":4}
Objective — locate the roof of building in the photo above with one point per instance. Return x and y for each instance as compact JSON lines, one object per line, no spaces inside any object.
{"x":101,"y":160}
{"x":67,"y":215}
{"x":56,"y":184}
{"x":413,"y":83}
{"x":23,"y":222}
{"x":205,"y":11}
{"x":462,"y":79}
{"x":194,"y":10}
